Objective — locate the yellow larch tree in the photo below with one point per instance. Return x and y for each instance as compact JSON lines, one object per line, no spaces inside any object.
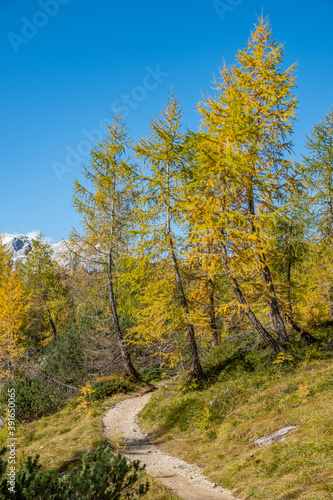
{"x":243,"y":174}
{"x":13,"y":311}
{"x":165,"y":156}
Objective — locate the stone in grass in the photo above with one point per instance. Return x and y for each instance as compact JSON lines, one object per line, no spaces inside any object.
{"x":276,"y":436}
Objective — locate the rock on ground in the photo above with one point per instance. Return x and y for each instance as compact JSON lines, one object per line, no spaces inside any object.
{"x":276,"y":436}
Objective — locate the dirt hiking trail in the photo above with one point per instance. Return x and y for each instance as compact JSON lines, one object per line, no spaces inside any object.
{"x":184,"y":479}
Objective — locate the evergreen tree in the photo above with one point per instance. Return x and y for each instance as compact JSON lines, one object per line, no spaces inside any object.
{"x":65,"y":358}
{"x":42,"y":280}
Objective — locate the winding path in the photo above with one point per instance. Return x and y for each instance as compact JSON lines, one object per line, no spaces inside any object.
{"x":184,"y":479}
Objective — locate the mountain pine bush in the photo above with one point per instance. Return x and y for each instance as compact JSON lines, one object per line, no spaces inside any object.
{"x":102,"y":476}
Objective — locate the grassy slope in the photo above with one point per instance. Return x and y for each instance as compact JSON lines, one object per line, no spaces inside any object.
{"x":249,"y":397}
{"x":63,"y":438}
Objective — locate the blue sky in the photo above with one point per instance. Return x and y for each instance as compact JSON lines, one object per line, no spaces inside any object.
{"x":65,"y":65}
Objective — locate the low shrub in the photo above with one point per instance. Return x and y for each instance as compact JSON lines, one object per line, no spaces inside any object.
{"x":100,"y":476}
{"x":33,"y":399}
{"x":149,"y":374}
{"x":108,"y":386}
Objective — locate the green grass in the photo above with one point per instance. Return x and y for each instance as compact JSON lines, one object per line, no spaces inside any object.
{"x":248,"y":397}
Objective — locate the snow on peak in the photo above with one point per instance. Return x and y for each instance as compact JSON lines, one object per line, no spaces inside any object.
{"x":20,"y":244}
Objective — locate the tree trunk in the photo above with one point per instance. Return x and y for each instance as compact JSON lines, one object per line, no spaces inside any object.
{"x":56,"y":382}
{"x":307,"y":338}
{"x":198,"y":371}
{"x":129,"y":368}
{"x":272,"y":298}
{"x":213,"y":324}
{"x":330,"y":207}
{"x":50,"y":317}
{"x":250,"y":314}
{"x":273,"y":302}
{"x":289,"y":285}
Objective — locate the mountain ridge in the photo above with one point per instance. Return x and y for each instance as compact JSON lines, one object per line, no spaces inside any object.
{"x":20,"y":244}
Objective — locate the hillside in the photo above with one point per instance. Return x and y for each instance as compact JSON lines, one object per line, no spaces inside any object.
{"x":216,"y":426}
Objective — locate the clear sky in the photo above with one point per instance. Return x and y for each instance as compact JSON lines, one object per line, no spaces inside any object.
{"x":66,"y":64}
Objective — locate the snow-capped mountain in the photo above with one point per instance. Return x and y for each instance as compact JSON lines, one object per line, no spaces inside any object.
{"x":20,"y":244}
